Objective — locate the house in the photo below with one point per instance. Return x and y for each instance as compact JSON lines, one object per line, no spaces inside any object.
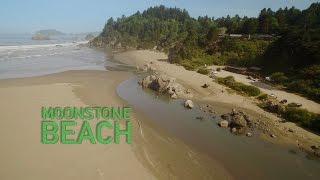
{"x":235,"y":35}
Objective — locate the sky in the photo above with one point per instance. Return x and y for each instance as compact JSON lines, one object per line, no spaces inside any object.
{"x":76,"y":16}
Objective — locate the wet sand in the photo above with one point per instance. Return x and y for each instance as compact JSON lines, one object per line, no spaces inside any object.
{"x":154,"y":154}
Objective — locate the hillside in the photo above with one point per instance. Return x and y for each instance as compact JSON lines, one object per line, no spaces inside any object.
{"x":284,"y":43}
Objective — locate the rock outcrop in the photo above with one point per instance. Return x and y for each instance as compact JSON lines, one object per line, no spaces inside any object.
{"x":110,"y":42}
{"x":165,"y":85}
{"x":238,"y":121}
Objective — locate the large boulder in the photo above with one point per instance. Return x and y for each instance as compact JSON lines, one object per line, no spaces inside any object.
{"x":164,"y":84}
{"x":238,"y":121}
{"x":188,"y":104}
{"x":224,"y":124}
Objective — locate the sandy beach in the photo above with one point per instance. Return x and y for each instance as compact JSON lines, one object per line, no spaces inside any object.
{"x":152,"y":155}
{"x":21,"y":102}
{"x":160,"y":90}
{"x":217,"y":93}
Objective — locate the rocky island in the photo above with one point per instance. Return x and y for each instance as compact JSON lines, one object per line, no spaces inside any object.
{"x":46,"y":34}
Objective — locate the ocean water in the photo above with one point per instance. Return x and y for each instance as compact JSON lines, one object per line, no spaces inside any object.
{"x":20,"y":56}
{"x":26,"y":39}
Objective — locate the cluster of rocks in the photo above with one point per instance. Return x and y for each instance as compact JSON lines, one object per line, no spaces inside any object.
{"x":274,"y":106}
{"x":111,"y":42}
{"x":165,"y":85}
{"x":237,"y":121}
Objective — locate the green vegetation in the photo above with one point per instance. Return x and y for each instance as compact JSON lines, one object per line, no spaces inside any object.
{"x":284,"y":43}
{"x":294,"y":114}
{"x":189,"y":41}
{"x":263,"y":97}
{"x":278,"y":77}
{"x":239,"y":87}
{"x":296,"y":53}
{"x":303,"y":118}
{"x":203,"y":70}
{"x":305,"y":81}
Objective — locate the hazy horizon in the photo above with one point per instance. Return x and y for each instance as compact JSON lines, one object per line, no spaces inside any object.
{"x":81,"y":16}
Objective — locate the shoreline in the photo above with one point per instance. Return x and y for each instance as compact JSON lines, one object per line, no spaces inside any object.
{"x":153,"y":154}
{"x":217,"y":93}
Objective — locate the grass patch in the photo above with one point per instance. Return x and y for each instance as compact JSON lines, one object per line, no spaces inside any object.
{"x":239,"y":87}
{"x":263,"y":97}
{"x":303,"y":118}
{"x":188,"y":65}
{"x":203,"y":70}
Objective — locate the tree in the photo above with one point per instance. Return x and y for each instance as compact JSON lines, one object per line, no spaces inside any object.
{"x":250,"y":26}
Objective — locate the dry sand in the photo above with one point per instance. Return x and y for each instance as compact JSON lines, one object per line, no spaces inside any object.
{"x":152,"y":155}
{"x":217,"y":93}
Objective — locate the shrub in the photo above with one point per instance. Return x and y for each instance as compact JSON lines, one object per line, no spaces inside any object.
{"x":240,"y":87}
{"x":250,"y":90}
{"x":278,"y":77}
{"x":297,"y":115}
{"x":303,"y":118}
{"x":203,"y":70}
{"x":263,"y":97}
{"x":306,"y":87}
{"x":188,"y":65}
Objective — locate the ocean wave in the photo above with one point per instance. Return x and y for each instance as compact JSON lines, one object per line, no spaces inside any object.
{"x":7,"y":58}
{"x":26,"y":47}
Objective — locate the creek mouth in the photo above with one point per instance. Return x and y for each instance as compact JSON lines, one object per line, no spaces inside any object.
{"x":243,"y":157}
